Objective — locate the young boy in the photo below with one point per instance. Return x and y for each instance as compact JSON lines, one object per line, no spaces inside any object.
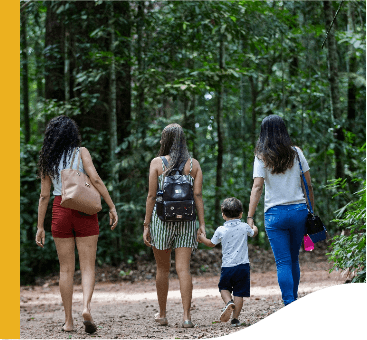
{"x":235,"y":274}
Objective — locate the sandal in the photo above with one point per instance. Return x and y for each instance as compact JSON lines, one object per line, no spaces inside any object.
{"x":161,"y":321}
{"x":90,"y":327}
{"x":187,"y":324}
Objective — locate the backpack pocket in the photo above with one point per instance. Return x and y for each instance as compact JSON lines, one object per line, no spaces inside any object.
{"x":159,"y":204}
{"x":176,"y":211}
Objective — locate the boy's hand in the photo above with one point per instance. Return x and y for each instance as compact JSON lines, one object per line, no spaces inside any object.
{"x":200,"y":238}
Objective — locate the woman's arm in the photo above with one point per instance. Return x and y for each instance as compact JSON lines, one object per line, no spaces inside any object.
{"x":198,"y":197}
{"x":152,"y":191}
{"x":99,"y":185}
{"x":151,"y":198}
{"x":93,"y":175}
{"x":257,"y":189}
{"x":42,"y":208}
{"x":310,"y":189}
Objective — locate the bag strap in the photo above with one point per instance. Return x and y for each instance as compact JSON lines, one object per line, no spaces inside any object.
{"x":79,"y":158}
{"x":182,"y":165}
{"x":180,"y":168}
{"x":164,"y":161}
{"x":305,"y":186}
{"x":72,"y":159}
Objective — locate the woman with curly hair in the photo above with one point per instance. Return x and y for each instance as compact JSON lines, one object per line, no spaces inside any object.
{"x":165,"y":236}
{"x":276,"y":164}
{"x":70,"y":227}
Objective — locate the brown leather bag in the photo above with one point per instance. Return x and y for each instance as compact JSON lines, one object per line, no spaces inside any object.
{"x":78,"y":193}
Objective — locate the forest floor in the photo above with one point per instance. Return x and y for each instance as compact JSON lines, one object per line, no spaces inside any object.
{"x":125,"y":300}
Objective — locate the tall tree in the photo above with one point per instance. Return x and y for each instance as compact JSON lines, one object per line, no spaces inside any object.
{"x":218,"y":184}
{"x":123,"y":71}
{"x":54,"y":65}
{"x":352,"y":93}
{"x":140,"y":58}
{"x":334,"y":89}
{"x":112,"y":106}
{"x":25,"y":90}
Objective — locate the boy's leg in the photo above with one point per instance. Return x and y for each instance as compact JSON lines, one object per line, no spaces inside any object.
{"x":241,"y":288}
{"x":238,"y":301}
{"x":226,"y":295}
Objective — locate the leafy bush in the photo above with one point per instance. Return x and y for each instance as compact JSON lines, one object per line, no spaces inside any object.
{"x":349,"y":248}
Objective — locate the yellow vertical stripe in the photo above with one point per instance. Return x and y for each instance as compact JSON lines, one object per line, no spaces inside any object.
{"x":10,"y":170}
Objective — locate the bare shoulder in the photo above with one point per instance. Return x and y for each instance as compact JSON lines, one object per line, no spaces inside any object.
{"x":195,"y":167}
{"x":84,"y":151}
{"x":156,"y":162}
{"x":195,"y":163}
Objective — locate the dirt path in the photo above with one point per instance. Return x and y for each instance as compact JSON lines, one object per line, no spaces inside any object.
{"x":126,"y":310}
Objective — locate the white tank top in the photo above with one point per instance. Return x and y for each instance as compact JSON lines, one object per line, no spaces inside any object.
{"x":57,"y":183}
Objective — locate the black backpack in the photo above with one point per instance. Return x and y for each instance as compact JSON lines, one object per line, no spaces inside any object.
{"x":175,"y":202}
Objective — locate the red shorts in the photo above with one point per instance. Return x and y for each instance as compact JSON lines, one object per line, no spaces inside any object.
{"x":72,"y":223}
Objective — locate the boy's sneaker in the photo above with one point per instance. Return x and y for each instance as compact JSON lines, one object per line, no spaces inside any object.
{"x":227,"y":311}
{"x":235,"y":323}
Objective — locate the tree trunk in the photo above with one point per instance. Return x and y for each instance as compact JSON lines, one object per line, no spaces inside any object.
{"x":352,"y":69}
{"x":113,"y":120}
{"x":39,"y":77}
{"x":66,"y":65}
{"x":246,"y":155}
{"x":352,"y":93}
{"x":25,"y":90}
{"x":254,"y":94}
{"x":54,"y":63}
{"x":218,"y":184}
{"x":123,"y":73}
{"x":334,"y":89}
{"x":112,"y":111}
{"x":141,"y":95}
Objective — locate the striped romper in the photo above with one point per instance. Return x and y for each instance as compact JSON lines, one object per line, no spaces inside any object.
{"x":167,"y":235}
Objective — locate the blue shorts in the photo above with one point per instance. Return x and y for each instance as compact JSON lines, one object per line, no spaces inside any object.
{"x":236,"y":279}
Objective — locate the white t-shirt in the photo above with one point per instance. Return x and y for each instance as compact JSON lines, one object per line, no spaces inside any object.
{"x":57,"y":183}
{"x":233,"y":235}
{"x":282,"y":189}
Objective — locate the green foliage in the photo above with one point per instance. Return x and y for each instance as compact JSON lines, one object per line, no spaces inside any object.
{"x":273,"y":64}
{"x":348,"y":250}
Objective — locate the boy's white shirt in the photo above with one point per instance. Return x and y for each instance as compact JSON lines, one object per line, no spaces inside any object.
{"x":233,"y":235}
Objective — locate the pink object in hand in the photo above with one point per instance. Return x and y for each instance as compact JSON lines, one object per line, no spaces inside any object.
{"x":309,"y":246}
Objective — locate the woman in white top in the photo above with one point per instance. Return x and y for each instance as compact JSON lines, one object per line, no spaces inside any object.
{"x":70,"y":227}
{"x":276,"y":165}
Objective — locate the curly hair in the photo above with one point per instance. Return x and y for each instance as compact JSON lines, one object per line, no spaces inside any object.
{"x":173,"y":143}
{"x":61,"y":137}
{"x":274,"y":146}
{"x":232,"y":207}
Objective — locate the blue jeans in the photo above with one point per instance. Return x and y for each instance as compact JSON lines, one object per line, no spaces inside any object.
{"x":285,"y":226}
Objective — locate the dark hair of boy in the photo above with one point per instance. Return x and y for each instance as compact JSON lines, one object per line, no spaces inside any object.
{"x":232,"y":207}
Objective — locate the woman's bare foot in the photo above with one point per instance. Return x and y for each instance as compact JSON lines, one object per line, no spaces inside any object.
{"x":68,"y":326}
{"x":87,"y":315}
{"x":90,"y":326}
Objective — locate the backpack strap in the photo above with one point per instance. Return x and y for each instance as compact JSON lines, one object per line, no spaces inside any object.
{"x":190,"y":165}
{"x":182,"y":165}
{"x":164,"y":161}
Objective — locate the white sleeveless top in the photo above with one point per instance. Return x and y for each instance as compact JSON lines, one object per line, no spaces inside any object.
{"x":57,"y":183}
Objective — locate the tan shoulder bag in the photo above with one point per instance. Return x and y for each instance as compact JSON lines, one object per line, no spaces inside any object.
{"x":78,"y":193}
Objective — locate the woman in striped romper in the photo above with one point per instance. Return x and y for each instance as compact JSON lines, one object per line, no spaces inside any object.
{"x":165,"y":236}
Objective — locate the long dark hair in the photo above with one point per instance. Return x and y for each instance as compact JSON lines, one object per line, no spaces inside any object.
{"x":61,"y":136}
{"x":274,"y":146}
{"x":173,"y":143}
